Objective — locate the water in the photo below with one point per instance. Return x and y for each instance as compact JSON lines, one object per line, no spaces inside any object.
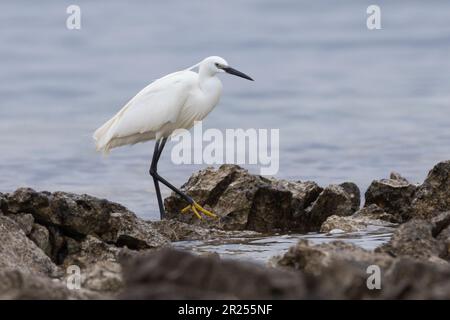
{"x":351,"y":104}
{"x":261,"y":249}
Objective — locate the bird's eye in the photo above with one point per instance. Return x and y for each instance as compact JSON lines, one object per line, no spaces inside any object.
{"x":217,"y":65}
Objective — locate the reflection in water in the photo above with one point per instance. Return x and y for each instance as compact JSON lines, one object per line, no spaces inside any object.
{"x":261,"y":249}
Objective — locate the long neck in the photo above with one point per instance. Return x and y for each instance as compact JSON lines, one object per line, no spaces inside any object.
{"x":204,"y":74}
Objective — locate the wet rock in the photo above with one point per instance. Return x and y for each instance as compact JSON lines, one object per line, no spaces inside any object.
{"x":249,"y":202}
{"x":79,"y":215}
{"x":171,"y":274}
{"x":371,"y":216}
{"x":415,"y":239}
{"x":333,"y":200}
{"x":179,"y":231}
{"x":433,"y":196}
{"x":315,"y":259}
{"x":24,"y":221}
{"x":373,"y":212}
{"x":15,"y":285}
{"x":41,"y":237}
{"x":340,"y":271}
{"x":20,"y":253}
{"x":393,"y":195}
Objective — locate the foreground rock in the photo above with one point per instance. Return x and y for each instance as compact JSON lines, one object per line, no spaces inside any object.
{"x":249,"y":202}
{"x":20,"y":253}
{"x":421,"y":239}
{"x":341,"y":271}
{"x":15,"y":285}
{"x":43,"y":233}
{"x":171,"y":274}
{"x":332,"y":271}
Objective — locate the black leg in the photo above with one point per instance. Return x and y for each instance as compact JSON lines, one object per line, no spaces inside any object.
{"x":153,"y":167}
{"x":159,"y":146}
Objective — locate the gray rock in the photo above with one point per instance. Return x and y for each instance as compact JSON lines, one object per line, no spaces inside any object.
{"x":20,"y":253}
{"x":373,"y":212}
{"x":41,"y":237}
{"x":393,"y":195}
{"x":411,"y":279}
{"x":179,"y":231}
{"x":171,"y":274}
{"x":250,"y":202}
{"x":433,"y":196}
{"x":24,"y":220}
{"x":17,"y":285}
{"x":333,"y":200}
{"x":371,"y":216}
{"x":339,"y":271}
{"x":316,"y":259}
{"x":415,"y":239}
{"x":353,"y":192}
{"x":89,"y":251}
{"x":103,"y":277}
{"x":79,"y":215}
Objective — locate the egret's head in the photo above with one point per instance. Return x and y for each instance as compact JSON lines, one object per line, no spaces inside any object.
{"x":217,"y":64}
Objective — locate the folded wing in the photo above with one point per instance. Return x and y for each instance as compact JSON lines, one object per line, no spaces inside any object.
{"x":145,"y":114}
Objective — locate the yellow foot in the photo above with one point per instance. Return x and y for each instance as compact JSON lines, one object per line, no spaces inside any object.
{"x":195,"y":208}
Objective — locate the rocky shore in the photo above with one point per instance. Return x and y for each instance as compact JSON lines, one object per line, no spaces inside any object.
{"x":48,"y":239}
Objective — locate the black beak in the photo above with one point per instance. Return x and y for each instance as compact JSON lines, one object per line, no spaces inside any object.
{"x":230,"y":70}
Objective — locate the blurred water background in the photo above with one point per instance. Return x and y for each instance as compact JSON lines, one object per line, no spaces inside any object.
{"x":351,"y":104}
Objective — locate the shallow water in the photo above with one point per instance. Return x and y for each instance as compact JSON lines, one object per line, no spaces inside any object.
{"x":351,"y":104}
{"x":261,"y":249}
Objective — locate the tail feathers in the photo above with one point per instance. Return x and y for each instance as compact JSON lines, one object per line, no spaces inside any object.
{"x":102,"y":137}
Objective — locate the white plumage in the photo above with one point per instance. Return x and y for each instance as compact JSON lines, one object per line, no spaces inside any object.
{"x":171,"y":102}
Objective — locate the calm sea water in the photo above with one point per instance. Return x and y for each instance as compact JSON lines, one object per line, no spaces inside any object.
{"x":351,"y":104}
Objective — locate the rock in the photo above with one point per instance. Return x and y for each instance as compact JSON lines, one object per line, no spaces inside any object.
{"x":411,"y":279}
{"x":334,"y":200}
{"x":103,"y":276}
{"x":315,"y":259}
{"x":89,"y":251}
{"x":125,"y":229}
{"x":250,"y":202}
{"x":24,"y":221}
{"x":171,"y":274}
{"x":339,"y":270}
{"x":433,"y":196}
{"x":393,"y":195}
{"x":353,"y":192}
{"x":41,"y":237}
{"x":343,"y":224}
{"x":179,"y":231}
{"x":415,"y":239}
{"x":15,"y":285}
{"x":440,"y":223}
{"x":373,"y":212}
{"x":371,"y":216}
{"x":20,"y":253}
{"x":2,"y":203}
{"x":79,"y":215}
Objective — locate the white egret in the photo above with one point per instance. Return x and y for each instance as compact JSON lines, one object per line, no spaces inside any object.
{"x":169,"y":103}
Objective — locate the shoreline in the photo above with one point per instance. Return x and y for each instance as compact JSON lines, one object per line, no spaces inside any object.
{"x":44,"y":234}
